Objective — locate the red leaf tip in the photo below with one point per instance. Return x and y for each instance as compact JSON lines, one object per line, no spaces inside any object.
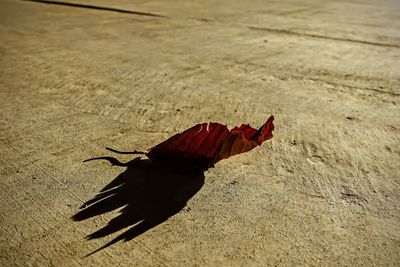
{"x":244,"y":138}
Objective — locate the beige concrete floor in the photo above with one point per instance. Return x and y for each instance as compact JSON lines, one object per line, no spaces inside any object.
{"x":324,"y":192}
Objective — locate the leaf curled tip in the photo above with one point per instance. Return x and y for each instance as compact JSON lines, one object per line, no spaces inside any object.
{"x":265,"y":130}
{"x":244,"y":138}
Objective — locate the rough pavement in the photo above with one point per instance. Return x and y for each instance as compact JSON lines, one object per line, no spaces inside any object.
{"x":75,"y":79}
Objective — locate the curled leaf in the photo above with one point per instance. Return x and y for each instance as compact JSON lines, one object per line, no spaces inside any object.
{"x":207,"y":143}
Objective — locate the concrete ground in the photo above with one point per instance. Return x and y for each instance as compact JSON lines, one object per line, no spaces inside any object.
{"x":129,"y":74}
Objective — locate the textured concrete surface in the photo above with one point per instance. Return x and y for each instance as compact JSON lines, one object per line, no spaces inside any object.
{"x":325,"y":191}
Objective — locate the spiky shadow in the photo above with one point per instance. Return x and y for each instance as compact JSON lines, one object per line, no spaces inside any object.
{"x":148,"y":192}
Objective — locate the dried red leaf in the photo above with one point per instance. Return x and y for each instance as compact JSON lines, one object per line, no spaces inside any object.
{"x":208,"y":143}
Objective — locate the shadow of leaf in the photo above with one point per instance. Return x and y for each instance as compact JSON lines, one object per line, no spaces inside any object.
{"x":148,"y":192}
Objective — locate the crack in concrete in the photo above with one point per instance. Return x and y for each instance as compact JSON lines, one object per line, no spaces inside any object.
{"x":282,"y":31}
{"x":139,"y":13}
{"x":394,"y":94}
